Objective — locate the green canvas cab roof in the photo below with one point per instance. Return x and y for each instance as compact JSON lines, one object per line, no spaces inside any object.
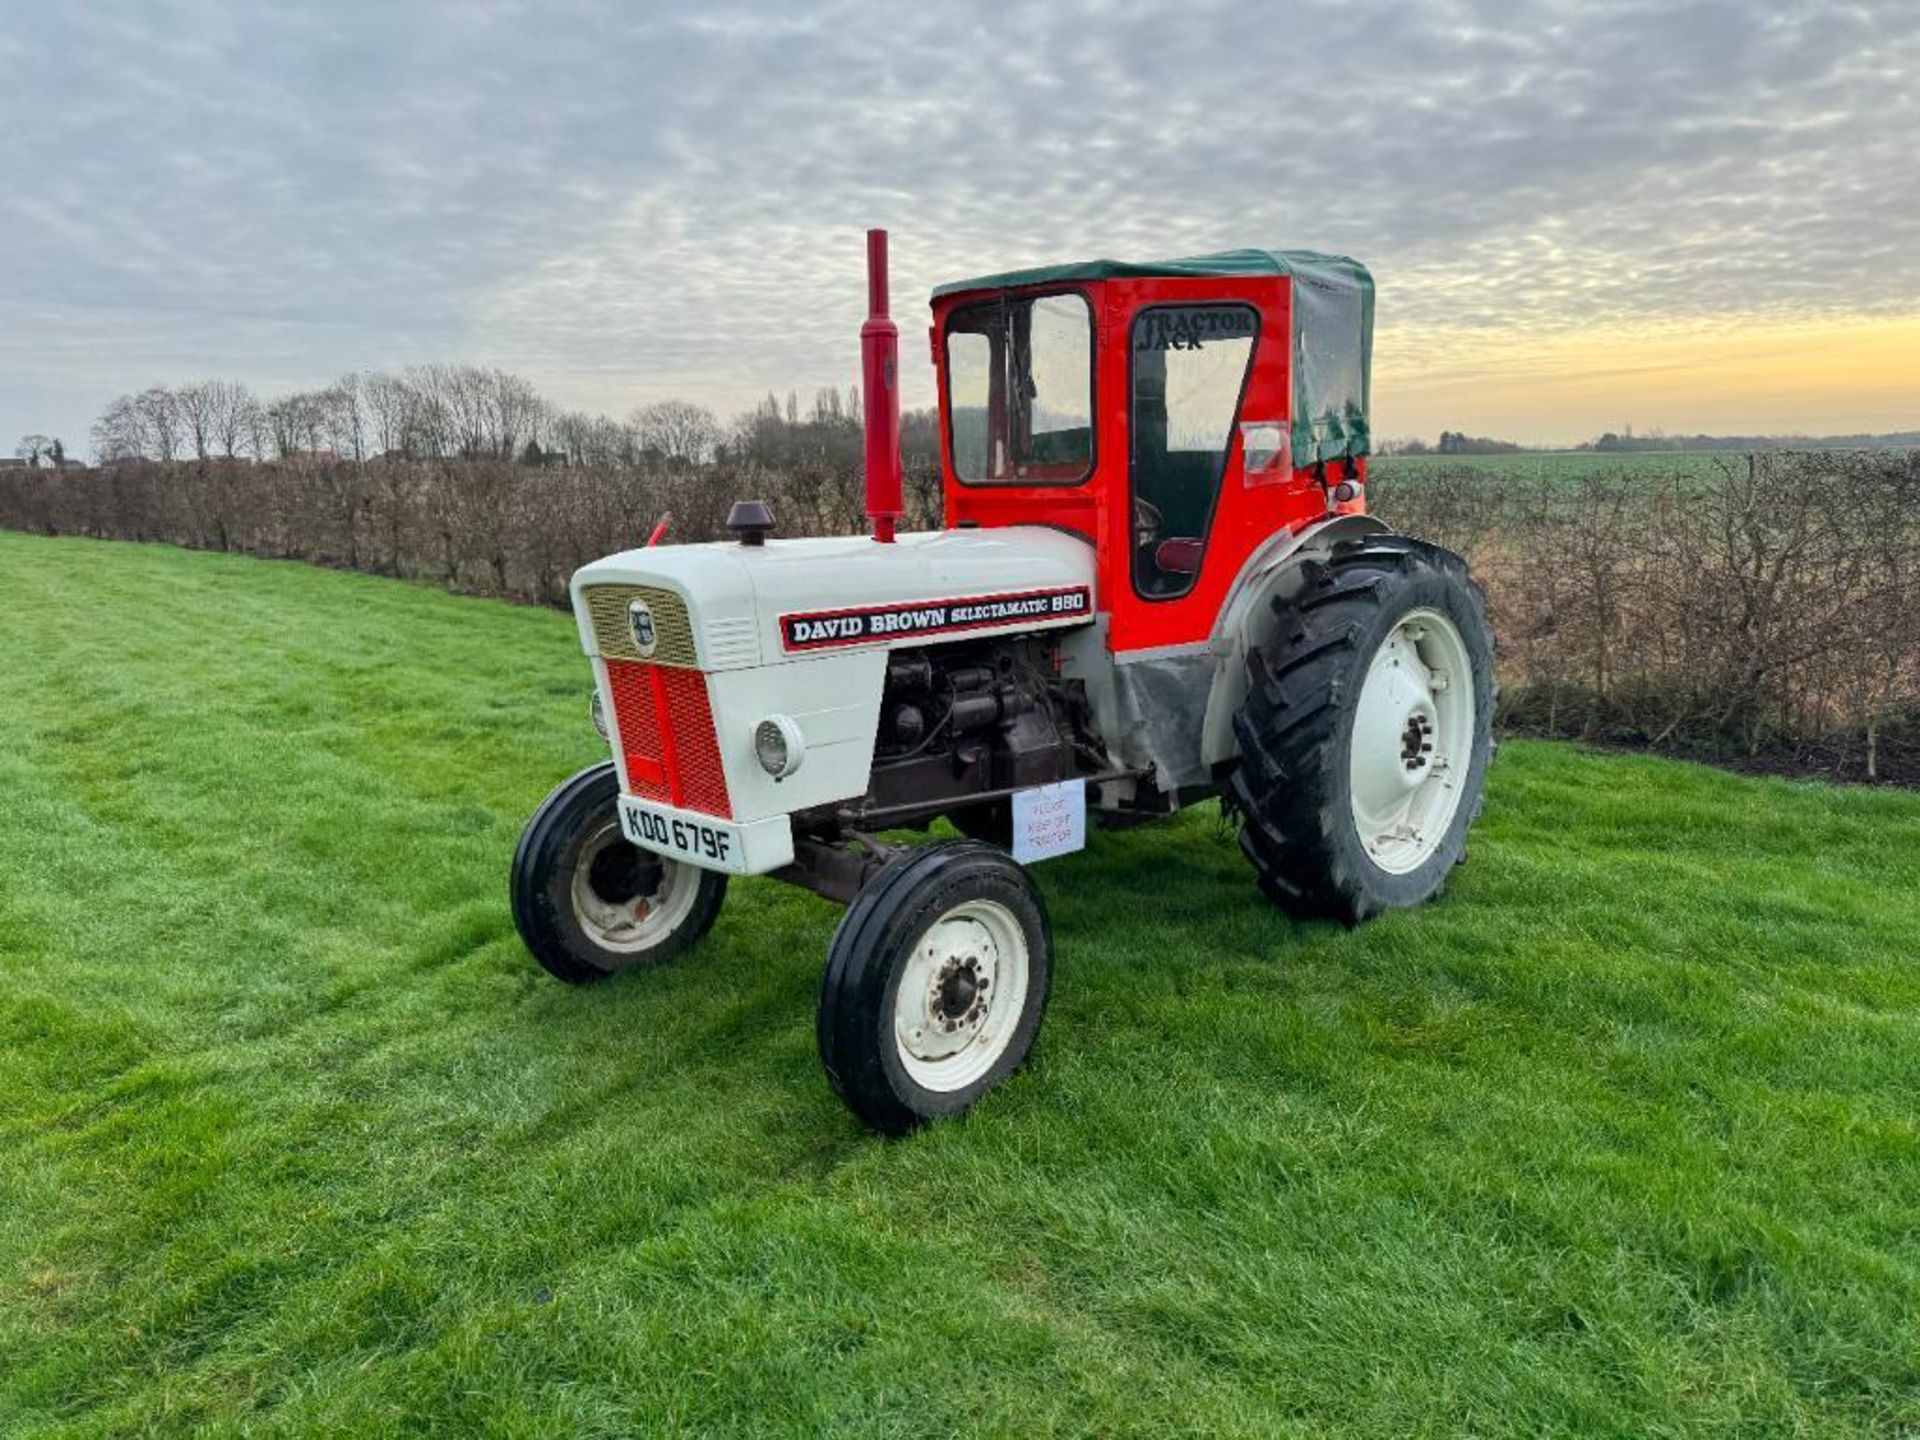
{"x":1332,"y":330}
{"x":1236,"y":263}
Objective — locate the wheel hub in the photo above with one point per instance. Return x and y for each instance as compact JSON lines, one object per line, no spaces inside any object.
{"x":626,"y":900}
{"x":1416,"y":741}
{"x":960,"y":984}
{"x":620,"y":873}
{"x":947,"y":998}
{"x":957,"y":999}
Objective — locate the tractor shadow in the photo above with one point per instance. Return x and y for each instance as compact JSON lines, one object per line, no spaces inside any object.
{"x":1152,"y":927}
{"x":1183,"y":879}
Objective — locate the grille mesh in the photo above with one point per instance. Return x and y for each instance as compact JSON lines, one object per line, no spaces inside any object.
{"x":639,"y":724}
{"x":703,"y":784}
{"x":665,"y":724}
{"x":613,"y":635}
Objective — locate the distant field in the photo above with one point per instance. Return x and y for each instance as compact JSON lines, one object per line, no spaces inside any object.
{"x":1569,"y":465}
{"x":1617,"y":1138}
{"x":1558,"y":465}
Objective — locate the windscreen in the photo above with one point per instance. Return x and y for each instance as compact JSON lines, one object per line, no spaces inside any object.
{"x":1020,"y":390}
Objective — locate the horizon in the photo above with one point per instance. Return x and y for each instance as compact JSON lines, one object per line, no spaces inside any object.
{"x":1697,"y":221}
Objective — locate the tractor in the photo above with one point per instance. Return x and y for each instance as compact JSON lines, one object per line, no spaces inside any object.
{"x":1157,"y":584}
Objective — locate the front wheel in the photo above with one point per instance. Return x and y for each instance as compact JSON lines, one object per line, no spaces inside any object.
{"x":1367,"y":729}
{"x":590,"y":903}
{"x":936,"y":983}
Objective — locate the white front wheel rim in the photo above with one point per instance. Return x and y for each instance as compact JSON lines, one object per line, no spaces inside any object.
{"x":1412,"y":741}
{"x":628,"y":924}
{"x":960,"y":996}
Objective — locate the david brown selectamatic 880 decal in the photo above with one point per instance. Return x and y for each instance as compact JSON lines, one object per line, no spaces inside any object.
{"x":819,"y":628}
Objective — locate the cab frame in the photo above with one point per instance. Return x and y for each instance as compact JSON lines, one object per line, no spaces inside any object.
{"x":1249,"y":507}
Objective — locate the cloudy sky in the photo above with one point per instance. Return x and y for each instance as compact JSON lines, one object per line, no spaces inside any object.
{"x":1580,"y":214}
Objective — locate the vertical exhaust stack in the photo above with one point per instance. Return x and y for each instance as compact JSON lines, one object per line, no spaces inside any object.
{"x":880,"y":370}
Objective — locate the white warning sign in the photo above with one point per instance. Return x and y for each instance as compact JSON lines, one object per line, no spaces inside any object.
{"x":1049,"y":820}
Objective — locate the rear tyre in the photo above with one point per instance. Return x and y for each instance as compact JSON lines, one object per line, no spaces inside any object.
{"x":1366,"y":732}
{"x":936,"y":984}
{"x":590,"y":903}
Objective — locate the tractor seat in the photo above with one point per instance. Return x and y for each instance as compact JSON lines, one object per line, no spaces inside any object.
{"x":1178,"y":556}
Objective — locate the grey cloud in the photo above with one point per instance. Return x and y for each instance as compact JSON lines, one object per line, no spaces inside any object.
{"x":624,"y":203}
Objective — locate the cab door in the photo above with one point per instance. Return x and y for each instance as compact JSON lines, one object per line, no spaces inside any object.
{"x":1199,"y":364}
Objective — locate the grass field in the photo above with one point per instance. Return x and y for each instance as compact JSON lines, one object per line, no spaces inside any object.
{"x":1618,"y":1138}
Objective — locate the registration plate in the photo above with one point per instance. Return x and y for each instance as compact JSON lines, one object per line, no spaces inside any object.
{"x":710,"y":844}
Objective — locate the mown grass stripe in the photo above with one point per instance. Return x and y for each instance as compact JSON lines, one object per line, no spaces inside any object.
{"x":1616,"y":1138}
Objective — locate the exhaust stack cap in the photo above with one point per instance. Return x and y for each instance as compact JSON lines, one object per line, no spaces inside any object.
{"x":751,"y":520}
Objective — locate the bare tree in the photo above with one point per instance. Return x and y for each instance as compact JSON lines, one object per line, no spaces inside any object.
{"x":160,"y":429}
{"x":215,"y":417}
{"x":514,"y":413}
{"x":257,"y":429}
{"x":679,"y":432}
{"x":193,"y":406}
{"x":469,"y":407}
{"x":231,"y":416}
{"x":570,"y":432}
{"x":117,"y":433}
{"x":433,"y":404}
{"x":345,"y":418}
{"x":390,"y":405}
{"x":32,"y":447}
{"x":593,"y":441}
{"x":298,"y":424}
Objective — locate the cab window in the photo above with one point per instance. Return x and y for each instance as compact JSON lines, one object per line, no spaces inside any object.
{"x":1020,"y":390}
{"x":1189,"y":367}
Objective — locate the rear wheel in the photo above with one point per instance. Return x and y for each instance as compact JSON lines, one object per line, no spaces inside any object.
{"x":588,"y":902}
{"x":1367,"y":729}
{"x":936,"y":983}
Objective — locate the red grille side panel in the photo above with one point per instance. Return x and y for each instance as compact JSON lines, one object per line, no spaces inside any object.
{"x":665,"y":723}
{"x":638,"y":722}
{"x":695,"y":744}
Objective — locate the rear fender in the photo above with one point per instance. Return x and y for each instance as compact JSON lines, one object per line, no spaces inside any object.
{"x":1272,"y":570}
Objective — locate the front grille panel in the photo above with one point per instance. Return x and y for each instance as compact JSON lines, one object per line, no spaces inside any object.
{"x":607,"y":607}
{"x":696,"y":744}
{"x":664,"y":720}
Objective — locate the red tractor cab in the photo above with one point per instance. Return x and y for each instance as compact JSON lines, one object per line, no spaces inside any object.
{"x":1178,"y":414}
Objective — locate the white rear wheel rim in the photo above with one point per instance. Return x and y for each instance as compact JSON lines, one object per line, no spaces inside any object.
{"x":961,"y":995}
{"x":628,"y":925}
{"x":1412,"y":742}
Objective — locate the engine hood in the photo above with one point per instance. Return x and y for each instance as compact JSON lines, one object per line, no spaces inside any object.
{"x":786,"y":599}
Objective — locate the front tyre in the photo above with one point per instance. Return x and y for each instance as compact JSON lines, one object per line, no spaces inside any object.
{"x":590,"y":903}
{"x":1367,"y":729}
{"x":936,"y":983}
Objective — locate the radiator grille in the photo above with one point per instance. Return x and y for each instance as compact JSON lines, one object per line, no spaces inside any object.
{"x":607,"y":607}
{"x":665,"y":723}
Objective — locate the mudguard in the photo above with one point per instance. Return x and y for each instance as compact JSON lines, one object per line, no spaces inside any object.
{"x":1269,"y":571}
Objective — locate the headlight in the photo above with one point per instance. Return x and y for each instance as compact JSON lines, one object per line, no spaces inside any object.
{"x":778,"y":746}
{"x":600,"y":718}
